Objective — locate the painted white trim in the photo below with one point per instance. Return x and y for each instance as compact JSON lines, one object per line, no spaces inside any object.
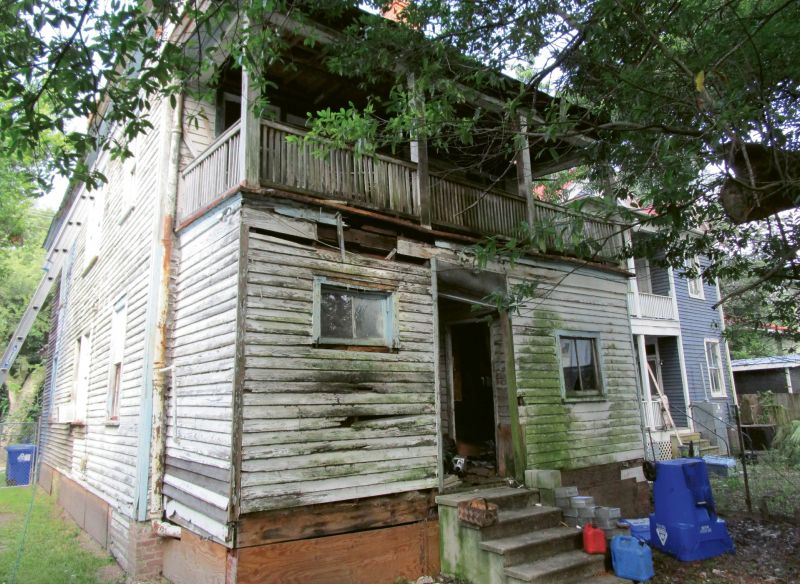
{"x":731,"y":378}
{"x":685,"y":381}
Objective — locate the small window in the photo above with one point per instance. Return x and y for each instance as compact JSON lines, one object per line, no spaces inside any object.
{"x":353,"y":316}
{"x":580,"y":366}
{"x":695,"y":284}
{"x":714,"y":363}
{"x":80,"y":392}
{"x":643,"y":281}
{"x":116,"y":350}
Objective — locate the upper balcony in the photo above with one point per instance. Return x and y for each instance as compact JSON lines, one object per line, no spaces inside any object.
{"x":401,"y":188}
{"x":651,"y":298}
{"x":483,"y":188}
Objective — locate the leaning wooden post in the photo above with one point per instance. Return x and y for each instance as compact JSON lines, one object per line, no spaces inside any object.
{"x":250,"y":132}
{"x":419,"y":155}
{"x":524,"y":172}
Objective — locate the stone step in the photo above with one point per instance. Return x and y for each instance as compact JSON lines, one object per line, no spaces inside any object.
{"x":517,"y":521}
{"x":504,"y":497}
{"x":534,"y":545}
{"x":570,"y":567}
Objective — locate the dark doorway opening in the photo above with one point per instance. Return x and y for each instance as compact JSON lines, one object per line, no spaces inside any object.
{"x":474,"y":401}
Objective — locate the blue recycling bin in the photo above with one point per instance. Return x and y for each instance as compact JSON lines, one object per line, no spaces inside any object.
{"x":20,"y":464}
{"x":685,"y":522}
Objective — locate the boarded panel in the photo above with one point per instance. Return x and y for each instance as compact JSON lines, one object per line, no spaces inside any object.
{"x":333,"y":518}
{"x":367,"y":557}
{"x":192,"y":560}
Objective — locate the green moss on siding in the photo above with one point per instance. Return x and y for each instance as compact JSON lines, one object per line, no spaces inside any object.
{"x":565,"y":435}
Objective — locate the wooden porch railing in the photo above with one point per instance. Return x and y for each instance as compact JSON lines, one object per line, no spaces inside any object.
{"x":210,"y":175}
{"x":386,"y":184}
{"x":473,"y":208}
{"x":377,"y":181}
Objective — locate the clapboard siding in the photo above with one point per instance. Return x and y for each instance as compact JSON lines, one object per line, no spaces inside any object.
{"x":700,"y":321}
{"x":102,"y":454}
{"x":323,"y":424}
{"x":203,"y":348}
{"x":561,"y":434}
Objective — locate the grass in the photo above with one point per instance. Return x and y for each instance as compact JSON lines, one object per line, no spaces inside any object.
{"x":53,"y":553}
{"x":771,"y":481}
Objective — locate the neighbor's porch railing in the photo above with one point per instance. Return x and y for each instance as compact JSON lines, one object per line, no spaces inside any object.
{"x":210,"y":175}
{"x":653,"y":414}
{"x":653,"y":306}
{"x":385,"y":184}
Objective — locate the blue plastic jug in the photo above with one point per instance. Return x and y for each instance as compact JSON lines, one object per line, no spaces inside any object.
{"x":632,"y":559}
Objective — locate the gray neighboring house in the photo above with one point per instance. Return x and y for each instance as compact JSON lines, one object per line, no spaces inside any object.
{"x":778,"y":374}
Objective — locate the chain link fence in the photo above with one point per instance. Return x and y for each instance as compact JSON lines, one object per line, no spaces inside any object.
{"x":19,"y":443}
{"x":766,"y":478}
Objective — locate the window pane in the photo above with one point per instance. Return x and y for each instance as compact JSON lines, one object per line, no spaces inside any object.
{"x":368,"y":316}
{"x":585,"y":349}
{"x":569,"y":363}
{"x":336,"y":317}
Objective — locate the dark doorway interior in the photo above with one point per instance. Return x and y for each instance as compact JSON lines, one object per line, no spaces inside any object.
{"x":473,"y":397}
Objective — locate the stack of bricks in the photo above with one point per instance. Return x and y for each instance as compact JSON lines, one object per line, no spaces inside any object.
{"x":580,"y":510}
{"x":146,"y":553}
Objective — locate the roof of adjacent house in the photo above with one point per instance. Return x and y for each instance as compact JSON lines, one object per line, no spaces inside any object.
{"x":774,"y":362}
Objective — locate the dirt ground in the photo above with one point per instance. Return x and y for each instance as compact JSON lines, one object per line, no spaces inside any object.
{"x":765,"y":552}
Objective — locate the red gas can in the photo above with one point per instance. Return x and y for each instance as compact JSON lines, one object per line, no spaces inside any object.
{"x":594,"y":540}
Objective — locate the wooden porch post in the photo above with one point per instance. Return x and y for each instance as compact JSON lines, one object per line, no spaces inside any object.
{"x":250,"y":131}
{"x":419,"y":155}
{"x":524,"y":171}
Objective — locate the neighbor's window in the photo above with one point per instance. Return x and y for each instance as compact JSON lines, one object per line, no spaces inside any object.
{"x":116,"y":350}
{"x":353,"y":316}
{"x":714,"y":363}
{"x":580,"y":367}
{"x":695,"y":284}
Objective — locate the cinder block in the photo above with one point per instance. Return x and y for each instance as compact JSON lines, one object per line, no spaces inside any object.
{"x":566,"y":492}
{"x":579,"y":502}
{"x":562,"y":502}
{"x":542,"y":478}
{"x":608,"y":513}
{"x":586,"y":512}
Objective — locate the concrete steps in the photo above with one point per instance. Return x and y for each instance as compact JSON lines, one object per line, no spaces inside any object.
{"x":529,"y":543}
{"x":702,"y":446}
{"x":574,"y":566}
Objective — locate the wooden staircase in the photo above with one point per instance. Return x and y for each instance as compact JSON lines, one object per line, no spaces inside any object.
{"x":702,"y":446}
{"x":529,"y":543}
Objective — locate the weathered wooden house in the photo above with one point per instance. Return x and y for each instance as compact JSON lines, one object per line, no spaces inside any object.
{"x":271,"y":353}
